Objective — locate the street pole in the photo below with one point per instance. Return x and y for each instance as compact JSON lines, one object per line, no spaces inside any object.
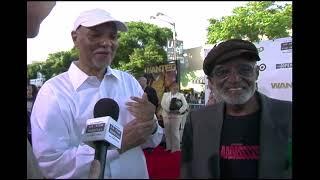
{"x":175,"y":54}
{"x":177,"y":62}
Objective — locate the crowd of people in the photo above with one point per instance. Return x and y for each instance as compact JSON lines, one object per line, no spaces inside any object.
{"x":195,"y":97}
{"x":242,"y":133}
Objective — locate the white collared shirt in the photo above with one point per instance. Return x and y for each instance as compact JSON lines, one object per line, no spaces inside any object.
{"x":61,"y":109}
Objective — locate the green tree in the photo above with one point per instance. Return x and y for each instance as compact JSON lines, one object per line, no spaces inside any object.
{"x":55,"y":64}
{"x":253,"y":22}
{"x":141,"y":46}
{"x":187,"y":76}
{"x":33,"y":68}
{"x":59,"y":62}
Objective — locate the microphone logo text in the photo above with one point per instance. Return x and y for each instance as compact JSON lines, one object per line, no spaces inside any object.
{"x":95,"y":128}
{"x":115,"y":131}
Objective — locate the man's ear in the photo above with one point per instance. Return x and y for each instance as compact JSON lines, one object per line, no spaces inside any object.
{"x":257,"y":71}
{"x":74,"y":36}
{"x":210,"y":81}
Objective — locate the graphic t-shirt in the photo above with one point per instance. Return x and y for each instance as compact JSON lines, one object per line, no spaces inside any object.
{"x":239,"y":150}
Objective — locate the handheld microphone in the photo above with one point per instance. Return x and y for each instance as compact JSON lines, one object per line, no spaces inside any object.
{"x":103,"y":129}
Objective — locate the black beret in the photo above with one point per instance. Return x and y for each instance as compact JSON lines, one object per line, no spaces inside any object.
{"x":227,"y":50}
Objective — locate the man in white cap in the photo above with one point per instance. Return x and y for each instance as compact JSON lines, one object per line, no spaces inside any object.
{"x":66,"y":101}
{"x":37,"y":11}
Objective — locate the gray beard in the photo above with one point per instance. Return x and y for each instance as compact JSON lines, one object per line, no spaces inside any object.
{"x":241,"y":99}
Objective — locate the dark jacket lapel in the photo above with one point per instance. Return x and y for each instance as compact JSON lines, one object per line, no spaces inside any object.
{"x":213,"y":127}
{"x":271,"y":141}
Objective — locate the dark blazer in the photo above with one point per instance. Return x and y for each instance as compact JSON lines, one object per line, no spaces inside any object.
{"x":201,"y":140}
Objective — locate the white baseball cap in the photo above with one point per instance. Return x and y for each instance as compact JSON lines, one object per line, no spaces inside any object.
{"x":95,"y":17}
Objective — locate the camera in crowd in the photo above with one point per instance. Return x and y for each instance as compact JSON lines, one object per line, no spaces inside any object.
{"x":175,"y":104}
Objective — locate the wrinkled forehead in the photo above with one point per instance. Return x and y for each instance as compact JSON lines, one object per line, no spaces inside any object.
{"x":236,"y":61}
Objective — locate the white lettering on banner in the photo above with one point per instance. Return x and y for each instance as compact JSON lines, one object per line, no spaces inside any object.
{"x":160,"y":68}
{"x":281,"y":85}
{"x":286,"y":46}
{"x":284,"y":65}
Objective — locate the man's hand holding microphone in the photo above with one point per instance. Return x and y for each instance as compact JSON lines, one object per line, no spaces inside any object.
{"x":135,"y":133}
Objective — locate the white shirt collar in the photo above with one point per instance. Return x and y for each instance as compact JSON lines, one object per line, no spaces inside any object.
{"x":110,"y":71}
{"x":78,"y":77}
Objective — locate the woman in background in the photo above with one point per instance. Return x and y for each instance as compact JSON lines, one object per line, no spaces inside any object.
{"x":172,"y":116}
{"x":32,"y":92}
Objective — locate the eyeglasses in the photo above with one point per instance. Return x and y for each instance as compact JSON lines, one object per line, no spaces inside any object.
{"x":243,"y":70}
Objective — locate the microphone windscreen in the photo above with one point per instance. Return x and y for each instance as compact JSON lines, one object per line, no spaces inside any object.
{"x":106,"y":107}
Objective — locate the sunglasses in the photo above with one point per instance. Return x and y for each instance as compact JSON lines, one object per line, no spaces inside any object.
{"x":243,"y":70}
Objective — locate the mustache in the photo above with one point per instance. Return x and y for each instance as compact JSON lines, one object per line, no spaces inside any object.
{"x":235,"y":85}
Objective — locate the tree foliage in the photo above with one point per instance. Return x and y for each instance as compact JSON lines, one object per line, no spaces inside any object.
{"x":55,"y":64}
{"x":33,"y":68}
{"x":141,"y":46}
{"x":252,"y":22}
{"x":187,"y":76}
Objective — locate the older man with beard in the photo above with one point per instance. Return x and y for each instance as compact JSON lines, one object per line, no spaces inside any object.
{"x":247,"y":134}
